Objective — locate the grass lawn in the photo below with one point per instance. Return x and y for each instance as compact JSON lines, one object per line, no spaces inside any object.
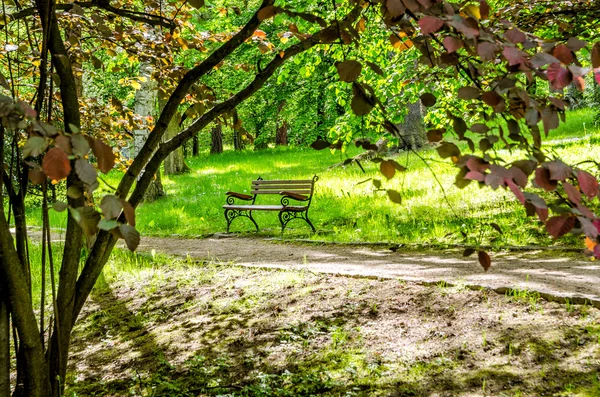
{"x":344,"y":209}
{"x":159,"y":326}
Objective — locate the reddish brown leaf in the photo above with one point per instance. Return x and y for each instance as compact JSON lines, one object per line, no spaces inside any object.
{"x":452,"y":43}
{"x":129,"y":212}
{"x":542,"y":180}
{"x":56,"y":164}
{"x":563,"y":54}
{"x":515,"y":36}
{"x":320,"y":144}
{"x":558,"y":76}
{"x":469,"y":27}
{"x":267,"y":12}
{"x":375,"y":68}
{"x":111,"y":206}
{"x":514,"y":56}
{"x":360,"y":105}
{"x":412,"y":5}
{"x":526,"y":166}
{"x":588,"y":227}
{"x":394,"y":196}
{"x":435,"y":135}
{"x":131,"y":236}
{"x":487,"y":51}
{"x":560,"y":225}
{"x":395,"y":7}
{"x":85,"y":171}
{"x":550,"y":119}
{"x":37,"y":177}
{"x":459,"y":126}
{"x":492,"y":98}
{"x":484,"y":9}
{"x":430,"y":24}
{"x":579,"y":83}
{"x":596,"y":56}
{"x":104,"y":155}
{"x":428,"y":99}
{"x":484,"y":260}
{"x":574,"y":44}
{"x":88,"y":219}
{"x":387,"y":169}
{"x":588,"y":184}
{"x":516,"y":191}
{"x":597,"y":75}
{"x":542,"y":59}
{"x":349,"y":70}
{"x":572,"y":192}
{"x":475,"y":176}
{"x":448,"y":149}
{"x":559,"y":171}
{"x":468,"y":93}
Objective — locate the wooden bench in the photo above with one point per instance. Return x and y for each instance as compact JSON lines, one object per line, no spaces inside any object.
{"x":296,"y":196}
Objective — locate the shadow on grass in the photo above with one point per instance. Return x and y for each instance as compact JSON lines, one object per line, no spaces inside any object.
{"x":241,"y":349}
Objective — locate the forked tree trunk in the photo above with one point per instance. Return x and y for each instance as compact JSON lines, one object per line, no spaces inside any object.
{"x":145,"y":106}
{"x":216,"y":142}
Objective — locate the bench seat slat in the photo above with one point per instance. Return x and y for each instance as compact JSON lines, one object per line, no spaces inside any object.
{"x":281,"y":187}
{"x":276,"y":182}
{"x":304,"y":192}
{"x":264,"y":207}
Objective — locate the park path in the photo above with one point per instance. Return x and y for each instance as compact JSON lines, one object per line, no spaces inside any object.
{"x":554,"y":276}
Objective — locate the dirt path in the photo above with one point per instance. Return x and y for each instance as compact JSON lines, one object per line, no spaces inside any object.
{"x":555,"y":276}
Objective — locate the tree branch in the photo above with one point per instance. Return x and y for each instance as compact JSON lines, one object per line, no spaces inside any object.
{"x":142,"y":17}
{"x":178,"y":95}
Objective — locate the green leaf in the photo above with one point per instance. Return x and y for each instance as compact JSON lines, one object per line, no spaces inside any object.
{"x":34,"y":146}
{"x":106,"y":224}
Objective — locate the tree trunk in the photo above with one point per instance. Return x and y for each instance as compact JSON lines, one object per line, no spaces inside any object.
{"x":412,"y":128}
{"x":216,"y":143}
{"x":175,"y":162}
{"x":4,"y":343}
{"x":281,"y":136}
{"x":238,"y":143}
{"x":195,"y":146}
{"x":145,"y":105}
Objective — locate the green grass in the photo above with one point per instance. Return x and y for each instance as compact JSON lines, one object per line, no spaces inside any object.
{"x":344,"y":209}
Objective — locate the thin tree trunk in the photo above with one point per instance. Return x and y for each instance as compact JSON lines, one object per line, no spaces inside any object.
{"x":145,"y":105}
{"x":4,"y":340}
{"x":175,"y":162}
{"x":195,"y":146}
{"x":412,"y":128}
{"x":238,"y":143}
{"x":281,"y":135}
{"x":216,"y":143}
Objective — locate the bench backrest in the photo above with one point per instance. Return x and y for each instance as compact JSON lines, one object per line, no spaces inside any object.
{"x":300,"y":186}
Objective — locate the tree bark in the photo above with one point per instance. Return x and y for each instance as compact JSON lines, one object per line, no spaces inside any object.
{"x":145,"y":106}
{"x":175,"y":162}
{"x":238,"y":143}
{"x":216,"y":141}
{"x":281,"y":136}
{"x":4,"y":341}
{"x":195,"y":146}
{"x":412,"y":129}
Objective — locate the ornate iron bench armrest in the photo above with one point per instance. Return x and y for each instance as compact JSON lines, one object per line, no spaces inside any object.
{"x":299,"y":197}
{"x":231,"y":196}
